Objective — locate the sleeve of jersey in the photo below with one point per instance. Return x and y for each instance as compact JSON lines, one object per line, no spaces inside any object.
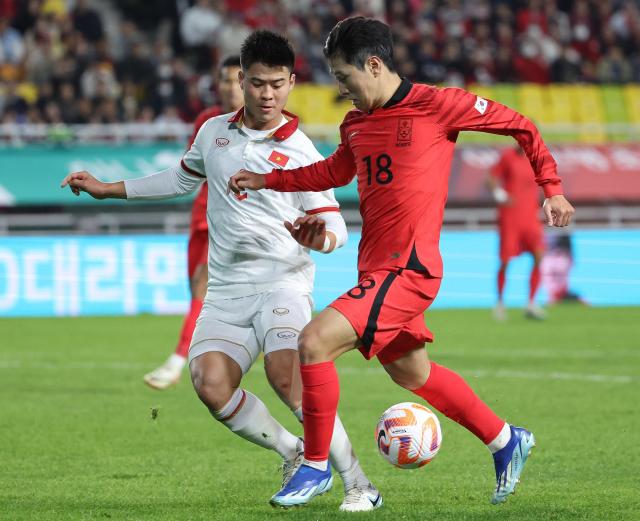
{"x":460,"y":110}
{"x":337,"y":170}
{"x":162,"y":185}
{"x":335,"y":224}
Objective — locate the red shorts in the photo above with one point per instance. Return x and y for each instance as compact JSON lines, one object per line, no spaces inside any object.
{"x":198,"y":250}
{"x":386,"y":309}
{"x":516,"y":240}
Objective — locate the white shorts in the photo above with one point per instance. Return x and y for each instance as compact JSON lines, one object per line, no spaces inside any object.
{"x":243,"y":327}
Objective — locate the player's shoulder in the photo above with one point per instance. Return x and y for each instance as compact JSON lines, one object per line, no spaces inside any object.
{"x":303,"y":145}
{"x":215,"y":121}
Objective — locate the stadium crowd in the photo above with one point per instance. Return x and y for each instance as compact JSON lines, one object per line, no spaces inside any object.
{"x":109,"y":61}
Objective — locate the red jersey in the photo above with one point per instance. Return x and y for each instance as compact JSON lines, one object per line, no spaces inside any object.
{"x":199,"y":210}
{"x":514,"y":173}
{"x":401,"y":154}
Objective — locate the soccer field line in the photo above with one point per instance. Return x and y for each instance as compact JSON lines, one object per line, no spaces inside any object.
{"x":360,"y":371}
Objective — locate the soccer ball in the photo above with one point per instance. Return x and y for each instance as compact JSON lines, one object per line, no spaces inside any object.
{"x":408,"y":435}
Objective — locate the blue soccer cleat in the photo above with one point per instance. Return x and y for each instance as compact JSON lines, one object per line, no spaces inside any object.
{"x":303,"y":486}
{"x":509,"y":462}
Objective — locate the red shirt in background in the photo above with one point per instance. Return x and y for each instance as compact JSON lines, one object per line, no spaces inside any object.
{"x":515,"y":175}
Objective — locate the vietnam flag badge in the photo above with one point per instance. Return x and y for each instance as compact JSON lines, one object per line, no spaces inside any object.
{"x":278,"y":158}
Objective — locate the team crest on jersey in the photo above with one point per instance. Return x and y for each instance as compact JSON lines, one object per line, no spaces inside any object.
{"x":222,"y":141}
{"x":405,"y":131}
{"x":481,"y":105}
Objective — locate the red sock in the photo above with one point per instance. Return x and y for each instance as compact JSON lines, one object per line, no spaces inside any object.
{"x":534,"y":282}
{"x":188,"y":326}
{"x":320,"y":394}
{"x":502,"y":275}
{"x":452,"y":396}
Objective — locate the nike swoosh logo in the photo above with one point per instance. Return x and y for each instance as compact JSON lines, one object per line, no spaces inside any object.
{"x":353,"y":134}
{"x":375,"y":501}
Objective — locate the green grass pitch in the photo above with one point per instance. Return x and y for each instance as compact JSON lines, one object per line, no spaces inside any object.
{"x":78,"y":441}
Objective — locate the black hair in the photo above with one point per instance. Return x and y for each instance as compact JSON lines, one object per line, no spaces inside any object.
{"x":268,"y":48}
{"x":230,"y":61}
{"x":357,"y":38}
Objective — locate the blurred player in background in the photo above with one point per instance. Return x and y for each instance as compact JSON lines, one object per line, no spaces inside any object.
{"x":519,"y":225}
{"x":230,"y":95}
{"x":399,"y":143}
{"x":260,"y":273}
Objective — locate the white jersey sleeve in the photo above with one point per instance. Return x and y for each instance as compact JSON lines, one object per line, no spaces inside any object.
{"x":162,"y":185}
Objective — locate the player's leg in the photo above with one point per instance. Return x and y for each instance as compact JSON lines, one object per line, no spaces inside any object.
{"x":450,"y":394}
{"x":223,"y":349}
{"x":282,"y":368}
{"x":499,"y":311}
{"x":534,"y":311}
{"x":216,"y":379}
{"x":325,"y":338}
{"x":284,"y":313}
{"x":169,"y":372}
{"x":507,"y":249}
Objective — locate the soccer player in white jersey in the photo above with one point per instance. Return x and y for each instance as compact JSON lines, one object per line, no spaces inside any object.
{"x":260,"y":273}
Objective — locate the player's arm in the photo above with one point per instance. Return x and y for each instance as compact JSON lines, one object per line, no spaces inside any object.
{"x":336,"y":170}
{"x":161,"y":185}
{"x":179,"y":180}
{"x":460,"y":110}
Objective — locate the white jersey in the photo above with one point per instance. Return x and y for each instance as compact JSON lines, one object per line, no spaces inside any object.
{"x":250,"y":250}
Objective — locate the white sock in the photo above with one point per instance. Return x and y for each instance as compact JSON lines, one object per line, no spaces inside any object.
{"x":320,"y":465}
{"x":246,"y":415}
{"x":341,"y":455}
{"x":176,"y":361}
{"x":501,"y":440}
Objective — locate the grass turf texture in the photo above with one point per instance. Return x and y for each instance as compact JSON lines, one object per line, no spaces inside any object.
{"x":78,"y":441}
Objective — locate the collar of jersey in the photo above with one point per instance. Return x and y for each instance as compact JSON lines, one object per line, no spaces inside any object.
{"x":281,"y":133}
{"x":400,"y":93}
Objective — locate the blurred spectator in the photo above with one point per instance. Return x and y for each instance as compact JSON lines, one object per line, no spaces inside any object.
{"x":91,"y":61}
{"x":11,"y":44}
{"x":87,"y":22}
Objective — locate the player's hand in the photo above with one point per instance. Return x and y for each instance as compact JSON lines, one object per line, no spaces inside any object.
{"x":244,"y":180}
{"x":85,"y":182}
{"x":309,"y":231}
{"x":558,"y":211}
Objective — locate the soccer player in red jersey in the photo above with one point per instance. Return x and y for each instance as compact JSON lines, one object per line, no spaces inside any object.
{"x":231,"y":100}
{"x":399,"y":143}
{"x":517,"y":196}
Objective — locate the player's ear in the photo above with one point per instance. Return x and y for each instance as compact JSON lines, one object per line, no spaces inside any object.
{"x":292,"y":81}
{"x":241,"y":78}
{"x":374,"y":65}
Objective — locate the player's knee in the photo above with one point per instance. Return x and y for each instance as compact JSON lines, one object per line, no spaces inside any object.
{"x":409,"y":379}
{"x":310,"y":346}
{"x":213,"y":390}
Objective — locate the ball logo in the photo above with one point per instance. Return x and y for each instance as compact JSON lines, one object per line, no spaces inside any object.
{"x":280,"y":311}
{"x":222,"y":141}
